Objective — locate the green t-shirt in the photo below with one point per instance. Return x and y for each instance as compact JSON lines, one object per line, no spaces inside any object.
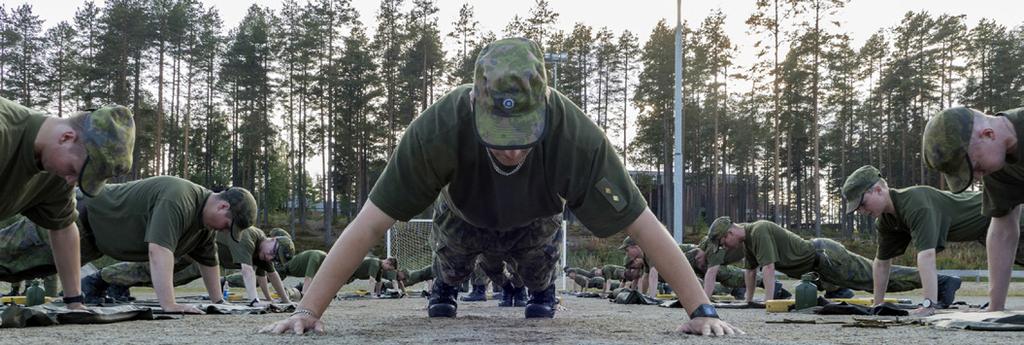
{"x":163,"y":210}
{"x":1004,"y":189}
{"x":595,"y":282}
{"x":246,"y":251}
{"x":304,"y":264}
{"x":929,"y":217}
{"x":768,"y":243}
{"x":582,"y":281}
{"x":573,"y":162}
{"x":422,"y":274}
{"x":613,"y":272}
{"x":44,"y":198}
{"x":580,"y":272}
{"x":369,"y":268}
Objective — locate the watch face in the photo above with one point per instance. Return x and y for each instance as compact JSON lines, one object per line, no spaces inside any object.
{"x":927,"y":303}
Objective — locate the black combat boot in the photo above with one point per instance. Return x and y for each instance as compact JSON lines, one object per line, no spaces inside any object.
{"x":839,"y":293}
{"x":442,"y":300}
{"x":781,"y":292}
{"x":478,"y":294}
{"x":94,"y":289}
{"x":948,"y":285}
{"x":119,"y":293}
{"x":542,"y":303}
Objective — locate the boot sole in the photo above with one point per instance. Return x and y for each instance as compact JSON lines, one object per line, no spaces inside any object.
{"x":442,"y":310}
{"x":539,"y":311}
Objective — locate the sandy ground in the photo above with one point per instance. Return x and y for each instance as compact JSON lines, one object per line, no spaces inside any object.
{"x":583,"y":321}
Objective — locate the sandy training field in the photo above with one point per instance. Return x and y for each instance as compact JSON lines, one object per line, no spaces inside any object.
{"x":582,"y":321}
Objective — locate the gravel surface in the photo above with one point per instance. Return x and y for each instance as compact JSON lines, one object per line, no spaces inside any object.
{"x":582,"y":321}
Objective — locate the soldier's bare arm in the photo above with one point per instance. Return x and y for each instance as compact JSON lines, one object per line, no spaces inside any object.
{"x":249,"y":278}
{"x":68,"y":259}
{"x":275,"y":280}
{"x":880,"y":277}
{"x":211,"y":279}
{"x":661,"y":249}
{"x":709,"y":280}
{"x":750,"y":280}
{"x":768,"y":271}
{"x":345,"y":255}
{"x":1001,"y":245}
{"x":161,"y":271}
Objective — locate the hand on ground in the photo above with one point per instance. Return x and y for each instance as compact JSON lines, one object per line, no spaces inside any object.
{"x":709,"y":327}
{"x":297,"y":324}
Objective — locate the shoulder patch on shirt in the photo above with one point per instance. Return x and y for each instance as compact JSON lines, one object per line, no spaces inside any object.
{"x":612,"y":194}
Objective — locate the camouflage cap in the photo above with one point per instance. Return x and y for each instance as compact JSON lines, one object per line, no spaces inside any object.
{"x":285,"y":248}
{"x":944,"y":146}
{"x":718,"y":229}
{"x":109,"y":138}
{"x":857,"y":184}
{"x":510,"y":90}
{"x":626,"y":242}
{"x":275,"y":232}
{"x":243,"y":209}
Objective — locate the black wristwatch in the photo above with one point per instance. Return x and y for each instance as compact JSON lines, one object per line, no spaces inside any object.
{"x":704,"y":310}
{"x":74,"y":299}
{"x":254,"y":302}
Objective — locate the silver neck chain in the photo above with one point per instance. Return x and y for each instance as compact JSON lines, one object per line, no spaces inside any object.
{"x":497,"y":169}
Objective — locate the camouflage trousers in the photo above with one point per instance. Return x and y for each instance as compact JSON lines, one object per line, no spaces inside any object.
{"x":840,"y":267}
{"x":131,"y":274}
{"x":25,"y":251}
{"x":531,"y":251}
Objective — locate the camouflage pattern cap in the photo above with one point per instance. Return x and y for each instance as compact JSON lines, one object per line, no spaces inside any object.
{"x":285,"y":248}
{"x":944,"y":146}
{"x":718,"y":229}
{"x":626,"y":242}
{"x":510,"y":90}
{"x":109,"y":138}
{"x":275,"y":232}
{"x":857,"y":184}
{"x":243,"y":209}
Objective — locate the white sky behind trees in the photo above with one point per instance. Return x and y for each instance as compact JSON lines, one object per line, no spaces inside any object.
{"x":859,"y":19}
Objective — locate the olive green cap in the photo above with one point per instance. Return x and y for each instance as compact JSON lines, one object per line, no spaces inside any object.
{"x":626,"y":242}
{"x":285,"y":248}
{"x":944,"y":146}
{"x":275,"y":232}
{"x":718,"y":229}
{"x":857,"y":184}
{"x":510,"y":94}
{"x":109,"y":137}
{"x":243,"y":209}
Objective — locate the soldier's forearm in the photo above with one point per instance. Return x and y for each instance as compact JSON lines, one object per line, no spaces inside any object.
{"x":249,"y":278}
{"x":67,"y":258}
{"x":750,"y":280}
{"x":709,"y":280}
{"x":1003,"y":234}
{"x":880,"y":274}
{"x":275,"y":280}
{"x":929,"y":276}
{"x":661,"y":249}
{"x":768,"y":271}
{"x":211,"y":279}
{"x":161,"y":272}
{"x":345,"y":256}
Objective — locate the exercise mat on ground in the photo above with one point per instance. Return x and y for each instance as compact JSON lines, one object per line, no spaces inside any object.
{"x":15,"y":316}
{"x":979,"y":321}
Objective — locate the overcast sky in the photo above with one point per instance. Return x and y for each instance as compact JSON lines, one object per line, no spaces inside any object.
{"x":859,"y":19}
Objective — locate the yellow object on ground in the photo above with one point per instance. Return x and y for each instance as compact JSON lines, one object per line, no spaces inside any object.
{"x":20,"y":299}
{"x":782,"y":305}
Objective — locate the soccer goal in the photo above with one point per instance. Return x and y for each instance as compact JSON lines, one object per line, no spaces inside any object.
{"x":409,"y":242}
